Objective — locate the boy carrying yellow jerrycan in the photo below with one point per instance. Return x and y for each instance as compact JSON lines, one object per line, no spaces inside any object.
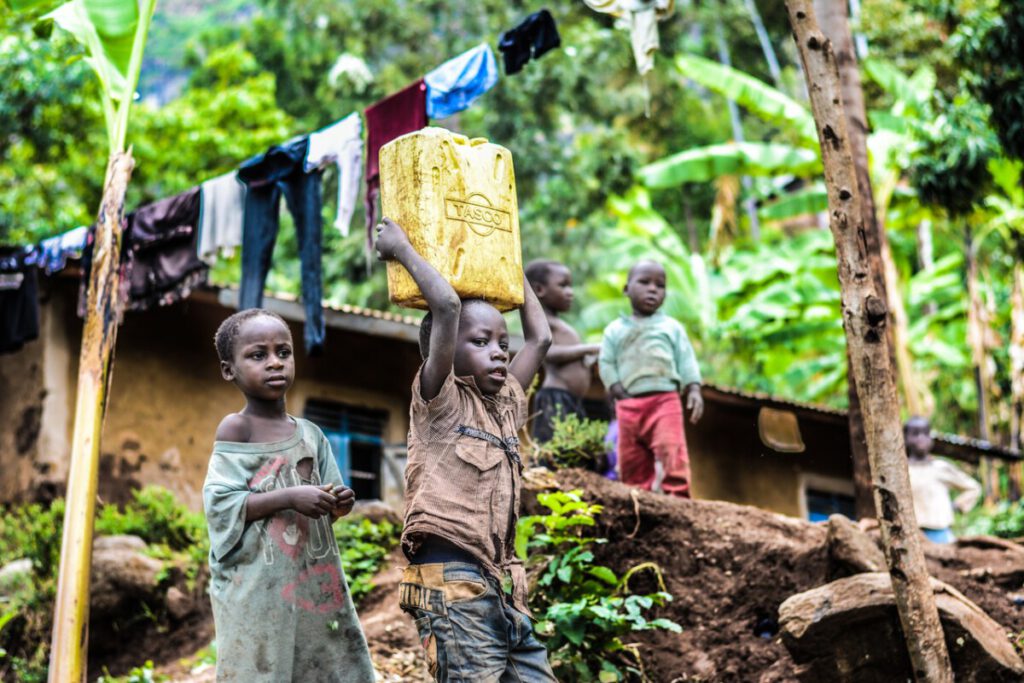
{"x":456,"y":199}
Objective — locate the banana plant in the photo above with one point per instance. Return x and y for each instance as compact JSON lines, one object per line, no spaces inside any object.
{"x":113,"y":33}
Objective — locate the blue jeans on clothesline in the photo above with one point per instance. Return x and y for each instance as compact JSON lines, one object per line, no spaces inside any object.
{"x":280,"y":172}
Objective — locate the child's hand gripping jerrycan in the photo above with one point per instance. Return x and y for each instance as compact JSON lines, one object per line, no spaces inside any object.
{"x":456,"y":200}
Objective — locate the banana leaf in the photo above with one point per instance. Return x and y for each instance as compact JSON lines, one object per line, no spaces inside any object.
{"x":809,"y":200}
{"x":704,"y":164}
{"x":107,"y":29}
{"x":754,"y":95}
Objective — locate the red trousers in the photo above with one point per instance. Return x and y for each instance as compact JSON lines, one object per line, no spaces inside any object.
{"x":651,"y":427}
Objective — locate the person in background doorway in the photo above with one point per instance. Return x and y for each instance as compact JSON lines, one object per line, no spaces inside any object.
{"x":932,"y":480}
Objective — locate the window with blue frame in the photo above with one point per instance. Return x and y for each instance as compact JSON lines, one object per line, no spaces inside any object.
{"x":822,"y":504}
{"x":356,"y":436}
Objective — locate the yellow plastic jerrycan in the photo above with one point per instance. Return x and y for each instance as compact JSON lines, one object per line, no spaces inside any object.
{"x":456,"y":200}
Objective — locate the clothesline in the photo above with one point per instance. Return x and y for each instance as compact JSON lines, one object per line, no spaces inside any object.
{"x":170,"y":243}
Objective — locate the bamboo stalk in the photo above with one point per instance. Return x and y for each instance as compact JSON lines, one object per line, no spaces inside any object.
{"x":1017,"y":373}
{"x":865,"y":316}
{"x":69,"y":646}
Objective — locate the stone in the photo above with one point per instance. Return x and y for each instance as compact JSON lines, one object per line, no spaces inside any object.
{"x":850,"y":550}
{"x":849,"y":630}
{"x":14,"y":573}
{"x":122,"y":575}
{"x":179,"y":604}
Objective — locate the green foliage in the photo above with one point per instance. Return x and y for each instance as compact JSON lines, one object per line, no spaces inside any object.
{"x":704,"y":164}
{"x":990,"y":42}
{"x":364,"y":545}
{"x":174,"y":534}
{"x":950,"y":168}
{"x":1005,"y":521}
{"x":584,"y":609}
{"x":140,"y":674}
{"x":756,"y":96}
{"x":575,"y":442}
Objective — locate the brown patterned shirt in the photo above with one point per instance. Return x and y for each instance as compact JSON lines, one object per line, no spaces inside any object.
{"x":462,"y":481}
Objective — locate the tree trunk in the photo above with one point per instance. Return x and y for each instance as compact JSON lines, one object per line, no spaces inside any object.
{"x":865,"y":316}
{"x":976,"y":333}
{"x":832,"y":15}
{"x":71,"y":609}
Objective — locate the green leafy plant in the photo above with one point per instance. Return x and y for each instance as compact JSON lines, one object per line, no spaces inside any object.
{"x":33,"y":532}
{"x":575,"y":442}
{"x":140,"y":674}
{"x":1005,"y":521}
{"x":584,"y":610}
{"x":364,"y":545}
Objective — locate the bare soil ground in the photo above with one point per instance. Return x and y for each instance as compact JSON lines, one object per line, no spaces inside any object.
{"x":729,"y":568}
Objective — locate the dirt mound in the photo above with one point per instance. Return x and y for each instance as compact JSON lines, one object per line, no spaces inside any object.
{"x":731,"y":566}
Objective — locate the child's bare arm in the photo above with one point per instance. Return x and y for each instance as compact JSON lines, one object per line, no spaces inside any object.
{"x":537,"y":334}
{"x":393,"y":244}
{"x":312,"y":501}
{"x":560,"y":354}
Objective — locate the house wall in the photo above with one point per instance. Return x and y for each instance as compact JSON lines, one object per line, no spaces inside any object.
{"x":166,"y":396}
{"x":730,"y":462}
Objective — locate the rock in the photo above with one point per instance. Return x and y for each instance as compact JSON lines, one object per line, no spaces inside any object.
{"x":849,"y":630}
{"x":105,"y":543}
{"x":179,"y":604}
{"x":376,"y":511}
{"x":850,"y":550}
{"x":121,"y":574}
{"x":14,"y":573}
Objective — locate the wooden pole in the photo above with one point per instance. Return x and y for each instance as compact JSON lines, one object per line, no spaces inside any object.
{"x":69,"y":647}
{"x":832,"y":14}
{"x":865,"y":316}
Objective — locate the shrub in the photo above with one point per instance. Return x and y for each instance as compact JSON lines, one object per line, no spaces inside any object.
{"x":575,"y":442}
{"x":364,"y":545}
{"x":584,"y":610}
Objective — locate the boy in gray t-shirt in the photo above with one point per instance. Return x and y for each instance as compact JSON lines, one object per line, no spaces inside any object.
{"x":646,"y":362}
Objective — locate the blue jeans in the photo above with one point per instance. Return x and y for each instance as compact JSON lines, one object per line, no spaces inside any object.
{"x":939,"y":535}
{"x":470,"y":633}
{"x":267,"y":177}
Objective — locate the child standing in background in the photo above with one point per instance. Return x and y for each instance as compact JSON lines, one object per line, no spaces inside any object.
{"x":566,"y":366}
{"x":646,"y":362}
{"x":931,"y":481}
{"x":281,"y":604}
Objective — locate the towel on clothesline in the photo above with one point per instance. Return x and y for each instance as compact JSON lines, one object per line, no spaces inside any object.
{"x":457,"y":83}
{"x":340,"y":143}
{"x":394,"y":116}
{"x":220,"y":217}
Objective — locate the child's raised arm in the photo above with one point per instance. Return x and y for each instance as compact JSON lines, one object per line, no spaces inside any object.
{"x":445,"y":307}
{"x":537,"y":334}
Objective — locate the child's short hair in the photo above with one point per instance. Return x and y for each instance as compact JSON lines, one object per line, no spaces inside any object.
{"x":538,"y":271}
{"x":427,"y":324}
{"x":224,"y":340}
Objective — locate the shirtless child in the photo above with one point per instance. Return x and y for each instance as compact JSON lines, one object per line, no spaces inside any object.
{"x":567,"y":365}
